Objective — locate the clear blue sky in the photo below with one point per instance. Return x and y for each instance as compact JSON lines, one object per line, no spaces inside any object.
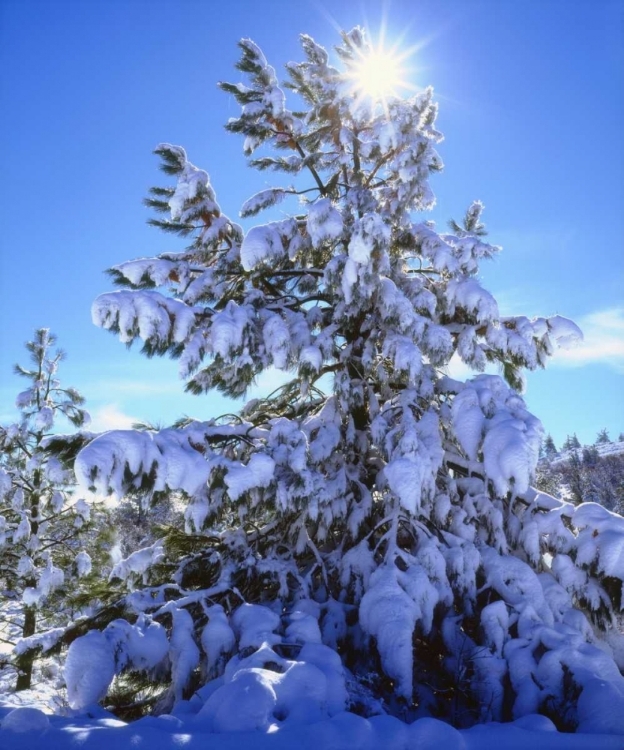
{"x":531,"y":103}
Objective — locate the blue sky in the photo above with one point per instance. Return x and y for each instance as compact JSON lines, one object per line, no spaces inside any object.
{"x":531,"y":104}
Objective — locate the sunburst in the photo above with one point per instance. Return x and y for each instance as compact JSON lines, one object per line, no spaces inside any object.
{"x":378,"y":74}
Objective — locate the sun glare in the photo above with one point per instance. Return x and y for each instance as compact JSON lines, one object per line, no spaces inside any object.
{"x":378,"y":74}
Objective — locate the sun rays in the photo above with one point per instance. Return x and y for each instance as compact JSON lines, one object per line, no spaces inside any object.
{"x":381,"y":72}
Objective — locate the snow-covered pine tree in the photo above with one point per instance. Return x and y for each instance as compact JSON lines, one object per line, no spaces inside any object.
{"x":572,"y":443}
{"x":549,"y":447}
{"x":372,"y":507}
{"x":42,"y":526}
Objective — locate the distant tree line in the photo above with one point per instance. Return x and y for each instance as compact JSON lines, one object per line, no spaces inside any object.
{"x":584,"y":473}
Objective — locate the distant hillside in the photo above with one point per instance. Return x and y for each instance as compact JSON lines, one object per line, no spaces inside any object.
{"x":603,"y":449}
{"x":590,"y":473}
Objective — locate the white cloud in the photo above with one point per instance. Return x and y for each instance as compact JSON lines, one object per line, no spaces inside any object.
{"x":458,"y":370}
{"x":110,"y":417}
{"x":603,"y":342}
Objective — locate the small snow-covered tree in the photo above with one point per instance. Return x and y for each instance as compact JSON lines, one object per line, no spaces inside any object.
{"x":41,"y":523}
{"x":372,"y":506}
{"x":602,"y":438}
{"x":549,"y":447}
{"x":571,"y":443}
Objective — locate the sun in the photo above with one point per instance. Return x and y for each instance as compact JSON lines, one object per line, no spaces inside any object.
{"x":378,"y":74}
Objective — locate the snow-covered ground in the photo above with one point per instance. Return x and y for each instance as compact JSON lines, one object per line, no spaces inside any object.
{"x":30,"y":729}
{"x":40,"y":719}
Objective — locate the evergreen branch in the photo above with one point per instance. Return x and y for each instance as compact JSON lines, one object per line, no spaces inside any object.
{"x":378,"y":166}
{"x":423,"y":270}
{"x":296,"y":272}
{"x":309,"y":166}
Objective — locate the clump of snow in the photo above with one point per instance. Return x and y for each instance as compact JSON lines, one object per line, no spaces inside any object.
{"x":217,"y":637}
{"x":261,"y":243}
{"x":265,"y":690}
{"x":303,"y":627}
{"x":22,"y":532}
{"x":277,"y":340}
{"x":324,"y":222}
{"x":491,"y":420}
{"x":369,"y":233}
{"x":258,"y":472}
{"x":600,"y":539}
{"x":261,"y":200}
{"x":25,"y":719}
{"x":565,"y":332}
{"x":102,"y":466}
{"x":45,"y":641}
{"x":227,"y":329}
{"x":138,"y":562}
{"x":255,"y":625}
{"x":48,"y":579}
{"x":83,"y":563}
{"x":192,"y":183}
{"x":89,"y":669}
{"x":44,"y":418}
{"x":349,"y":278}
{"x":95,"y":658}
{"x":431,"y":734}
{"x":25,"y":398}
{"x":389,"y":610}
{"x":141,"y":646}
{"x":183,"y":652}
{"x":600,"y":706}
{"x":311,"y":359}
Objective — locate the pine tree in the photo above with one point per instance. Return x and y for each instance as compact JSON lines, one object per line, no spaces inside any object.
{"x":571,"y":444}
{"x":550,"y":449}
{"x":41,"y":524}
{"x":371,"y":506}
{"x":602,"y":438}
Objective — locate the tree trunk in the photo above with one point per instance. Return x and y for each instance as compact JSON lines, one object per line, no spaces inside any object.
{"x":26,"y":660}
